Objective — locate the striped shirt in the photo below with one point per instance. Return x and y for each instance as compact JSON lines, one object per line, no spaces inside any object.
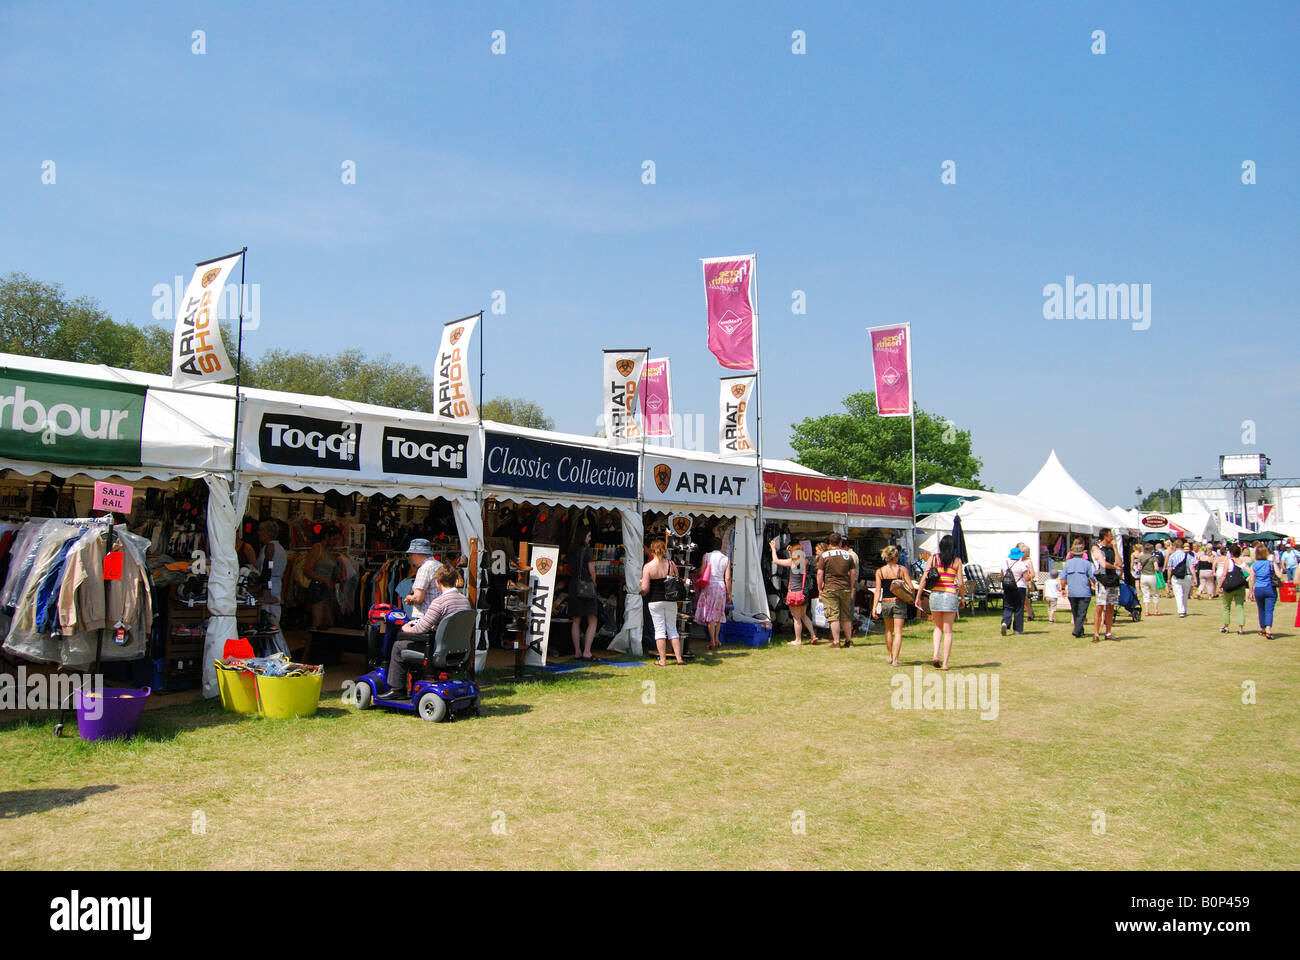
{"x":947,"y":578}
{"x":445,"y":603}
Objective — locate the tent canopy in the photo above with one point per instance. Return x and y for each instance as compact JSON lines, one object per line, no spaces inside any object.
{"x":1054,"y":485}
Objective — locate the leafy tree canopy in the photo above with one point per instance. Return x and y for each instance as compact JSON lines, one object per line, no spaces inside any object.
{"x":862,"y":445}
{"x":516,"y":410}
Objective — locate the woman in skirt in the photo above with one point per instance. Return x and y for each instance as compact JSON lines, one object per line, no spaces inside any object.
{"x":711,"y":605}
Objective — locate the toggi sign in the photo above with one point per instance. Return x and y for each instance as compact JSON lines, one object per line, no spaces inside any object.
{"x":57,"y":419}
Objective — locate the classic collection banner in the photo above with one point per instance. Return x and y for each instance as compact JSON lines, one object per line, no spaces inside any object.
{"x":657,"y":398}
{"x":732,"y":337}
{"x":620,"y":387}
{"x":734,"y":396}
{"x":453,"y":397}
{"x":280,"y":438}
{"x":56,"y":419}
{"x":528,"y":464}
{"x":891,"y":360}
{"x":793,"y":491}
{"x":198,"y":353}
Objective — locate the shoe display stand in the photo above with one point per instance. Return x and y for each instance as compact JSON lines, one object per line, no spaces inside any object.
{"x":680,"y":548}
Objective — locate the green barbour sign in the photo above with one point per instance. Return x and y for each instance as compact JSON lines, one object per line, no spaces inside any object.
{"x":50,"y":418}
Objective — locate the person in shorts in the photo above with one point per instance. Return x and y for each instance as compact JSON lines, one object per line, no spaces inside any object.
{"x":837,"y":574}
{"x":1109,"y":570}
{"x":889,"y":608}
{"x":1052,"y":591}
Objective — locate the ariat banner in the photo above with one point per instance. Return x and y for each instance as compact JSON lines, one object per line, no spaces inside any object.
{"x":891,"y":359}
{"x":732,"y":335}
{"x":453,"y":400}
{"x":657,"y":398}
{"x":708,"y":485}
{"x":546,"y":561}
{"x":51,"y":418}
{"x":198,"y":353}
{"x":734,"y":397}
{"x":620,"y":387}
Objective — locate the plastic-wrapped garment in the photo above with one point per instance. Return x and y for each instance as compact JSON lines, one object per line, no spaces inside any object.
{"x":24,"y":638}
{"x":82,"y":610}
{"x":18,"y":551}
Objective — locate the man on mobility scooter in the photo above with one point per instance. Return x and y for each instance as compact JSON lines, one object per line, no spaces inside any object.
{"x":432,"y":657}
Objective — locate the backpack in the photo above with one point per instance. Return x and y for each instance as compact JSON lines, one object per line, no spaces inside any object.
{"x":1010,"y":583}
{"x":1180,"y":569}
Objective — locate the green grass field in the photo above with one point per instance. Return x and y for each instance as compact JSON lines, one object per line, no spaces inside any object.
{"x":754,"y":758}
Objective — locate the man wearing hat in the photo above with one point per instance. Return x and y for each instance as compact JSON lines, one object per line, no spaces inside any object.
{"x":425,"y":568}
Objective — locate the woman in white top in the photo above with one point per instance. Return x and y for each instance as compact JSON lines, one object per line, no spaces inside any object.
{"x":711,"y":604}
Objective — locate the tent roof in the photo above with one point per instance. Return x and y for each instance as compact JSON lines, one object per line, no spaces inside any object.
{"x":1054,"y":485}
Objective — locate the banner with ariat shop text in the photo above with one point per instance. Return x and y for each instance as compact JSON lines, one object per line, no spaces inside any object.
{"x":734,"y":396}
{"x":453,"y":398}
{"x":657,"y":398}
{"x":313,"y":442}
{"x":545,"y":562}
{"x":50,"y":418}
{"x":620,"y":387}
{"x":891,"y":360}
{"x":732,"y":335}
{"x":198,"y":352}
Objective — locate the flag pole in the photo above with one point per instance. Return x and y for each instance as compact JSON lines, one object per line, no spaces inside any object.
{"x":239,"y":367}
{"x":911,"y":412}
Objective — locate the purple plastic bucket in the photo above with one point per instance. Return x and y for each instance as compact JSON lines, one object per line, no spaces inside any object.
{"x":119,"y":713}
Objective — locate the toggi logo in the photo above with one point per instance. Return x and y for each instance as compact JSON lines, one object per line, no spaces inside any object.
{"x":543,"y":565}
{"x":663,"y":473}
{"x":309,"y":442}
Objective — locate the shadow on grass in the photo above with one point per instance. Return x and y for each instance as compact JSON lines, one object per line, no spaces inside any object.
{"x":19,"y":803}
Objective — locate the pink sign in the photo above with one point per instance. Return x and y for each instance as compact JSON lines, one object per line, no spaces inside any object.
{"x":891,"y":357}
{"x":657,"y":398}
{"x":731,"y":316}
{"x":114,"y":497}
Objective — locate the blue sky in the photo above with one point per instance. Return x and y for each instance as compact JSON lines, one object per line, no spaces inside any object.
{"x":522,"y":173}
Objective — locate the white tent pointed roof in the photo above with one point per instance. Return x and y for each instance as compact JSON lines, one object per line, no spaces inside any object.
{"x":1055,"y":486}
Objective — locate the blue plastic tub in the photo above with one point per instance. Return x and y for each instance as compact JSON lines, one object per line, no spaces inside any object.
{"x":749,"y":634}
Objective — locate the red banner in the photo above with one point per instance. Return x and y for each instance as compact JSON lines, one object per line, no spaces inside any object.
{"x":792,"y":491}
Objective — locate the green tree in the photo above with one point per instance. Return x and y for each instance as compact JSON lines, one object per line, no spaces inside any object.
{"x":348,"y":375}
{"x":865,"y":446}
{"x":516,"y":410}
{"x":1162,"y":501}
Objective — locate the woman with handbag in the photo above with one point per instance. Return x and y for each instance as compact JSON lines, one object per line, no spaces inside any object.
{"x":889,"y":608}
{"x":946,"y":581}
{"x":1264,"y":577}
{"x":1232,"y":589}
{"x":796,"y":598}
{"x":659,"y":581}
{"x":582,"y":594}
{"x":713,"y":590}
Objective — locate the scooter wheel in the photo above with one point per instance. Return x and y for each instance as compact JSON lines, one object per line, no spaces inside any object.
{"x":58,"y":729}
{"x":362,"y":696}
{"x":432,"y":707}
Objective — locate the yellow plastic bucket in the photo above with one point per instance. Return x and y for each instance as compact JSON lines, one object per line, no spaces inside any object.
{"x":284,"y":697}
{"x":238,"y":689}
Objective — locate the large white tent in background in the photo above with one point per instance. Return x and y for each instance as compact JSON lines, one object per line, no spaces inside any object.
{"x":994,"y":523}
{"x":1054,"y":486}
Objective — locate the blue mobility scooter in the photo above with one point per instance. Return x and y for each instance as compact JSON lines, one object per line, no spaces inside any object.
{"x":439,"y":685}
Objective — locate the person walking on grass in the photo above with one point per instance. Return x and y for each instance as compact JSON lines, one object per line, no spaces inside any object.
{"x":1013,"y":601}
{"x":796,"y":597}
{"x":1205,"y":572}
{"x":1232,"y":582}
{"x":711,"y":604}
{"x":1031,"y":585}
{"x":1079,"y":574}
{"x":1146,"y":567}
{"x":663,"y":612}
{"x":837,"y":574}
{"x":1264,"y":578}
{"x":582,"y":594}
{"x":947,"y":594}
{"x":1179,"y":573}
{"x":1052,"y":593}
{"x":889,"y":608}
{"x":1108,"y":573}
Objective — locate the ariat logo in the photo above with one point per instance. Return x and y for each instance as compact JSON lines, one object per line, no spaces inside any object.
{"x":456,"y":335}
{"x":625,"y":367}
{"x":737,"y":390}
{"x":663,"y":474}
{"x":543,"y":565}
{"x":681,"y":526}
{"x":210,"y":275}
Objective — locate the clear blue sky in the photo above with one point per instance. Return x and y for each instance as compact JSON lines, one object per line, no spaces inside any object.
{"x":522,"y":173}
